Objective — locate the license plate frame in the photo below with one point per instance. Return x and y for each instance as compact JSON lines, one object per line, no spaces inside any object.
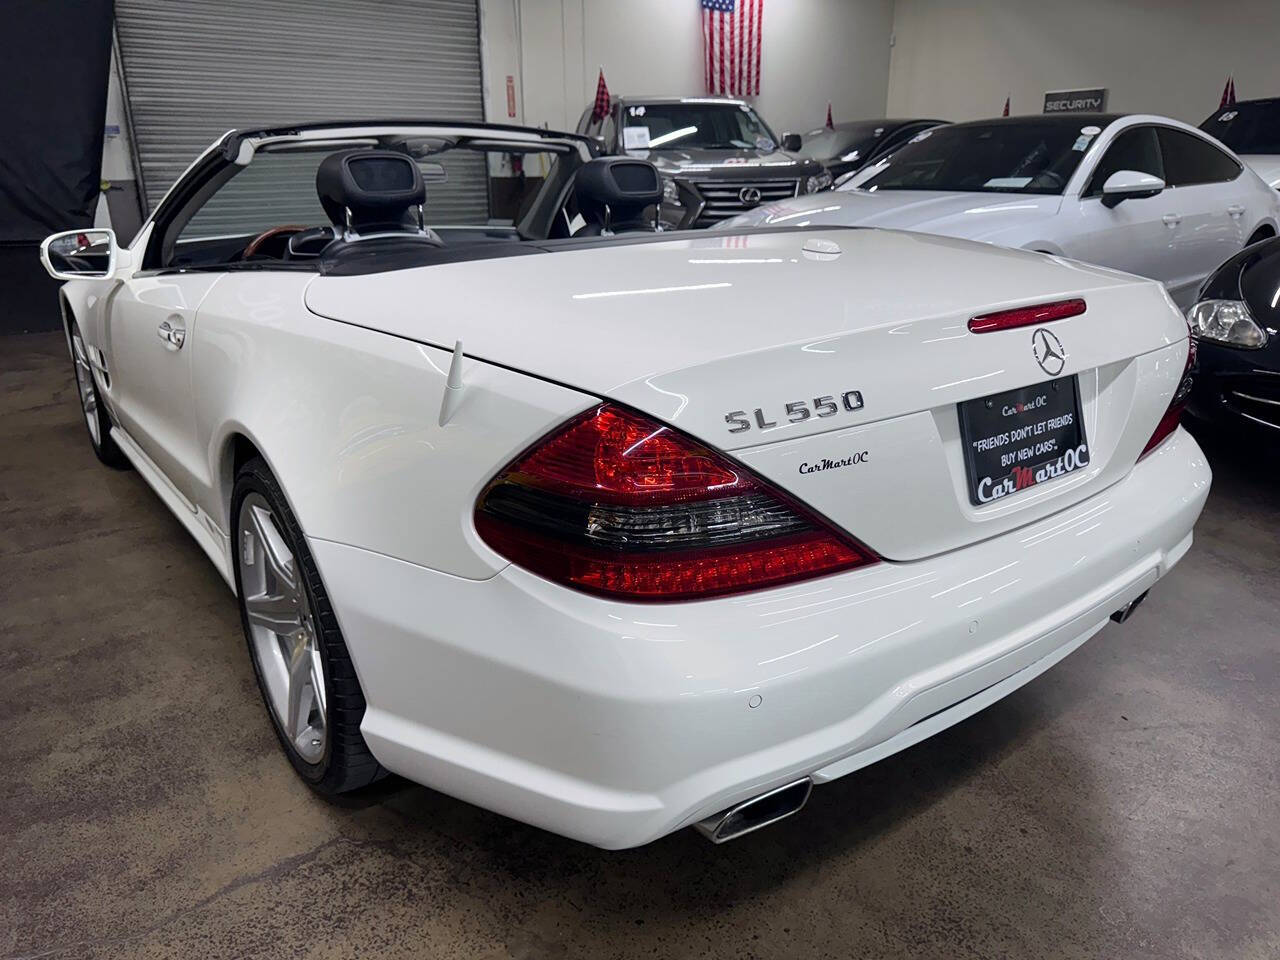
{"x":994,"y":427}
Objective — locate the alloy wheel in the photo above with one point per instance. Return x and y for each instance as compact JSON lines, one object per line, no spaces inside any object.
{"x":282,"y":628}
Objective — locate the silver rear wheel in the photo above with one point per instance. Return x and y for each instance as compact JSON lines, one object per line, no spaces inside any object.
{"x":282,"y":629}
{"x":300,"y":658}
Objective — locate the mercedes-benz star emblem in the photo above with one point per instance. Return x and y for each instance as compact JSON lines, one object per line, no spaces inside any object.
{"x":750,"y":196}
{"x":1048,"y":352}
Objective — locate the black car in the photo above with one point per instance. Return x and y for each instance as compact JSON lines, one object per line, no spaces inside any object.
{"x":1251,"y":128}
{"x":1236,"y":324}
{"x":717,"y":157}
{"x":848,"y":147}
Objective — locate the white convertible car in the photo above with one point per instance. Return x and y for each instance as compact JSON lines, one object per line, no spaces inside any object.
{"x":620,"y":534}
{"x":1144,"y":194}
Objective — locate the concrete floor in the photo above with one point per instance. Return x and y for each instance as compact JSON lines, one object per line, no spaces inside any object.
{"x":1124,"y":805}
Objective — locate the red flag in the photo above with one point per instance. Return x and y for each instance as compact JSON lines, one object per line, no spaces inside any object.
{"x":731,"y":46}
{"x":830,"y":125}
{"x":601,"y":108}
{"x":1006,"y":107}
{"x":1228,"y":93}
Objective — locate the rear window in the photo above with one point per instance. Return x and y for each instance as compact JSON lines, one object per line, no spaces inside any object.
{"x":1247,"y":127}
{"x":465,"y":187}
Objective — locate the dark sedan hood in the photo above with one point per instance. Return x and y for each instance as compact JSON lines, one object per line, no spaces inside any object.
{"x":728,"y":164}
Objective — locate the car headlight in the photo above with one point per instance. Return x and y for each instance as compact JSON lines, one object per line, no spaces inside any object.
{"x":1226,"y":321}
{"x":819,"y":181}
{"x":670,"y":193}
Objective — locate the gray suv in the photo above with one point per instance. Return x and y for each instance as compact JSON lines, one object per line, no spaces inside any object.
{"x":717,"y":157}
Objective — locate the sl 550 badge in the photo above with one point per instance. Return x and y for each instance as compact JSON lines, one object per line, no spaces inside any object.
{"x":797,"y":411}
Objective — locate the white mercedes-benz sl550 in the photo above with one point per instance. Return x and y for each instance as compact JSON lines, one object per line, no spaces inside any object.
{"x":610,"y":530}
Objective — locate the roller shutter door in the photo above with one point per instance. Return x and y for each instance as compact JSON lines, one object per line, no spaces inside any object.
{"x":196,"y":69}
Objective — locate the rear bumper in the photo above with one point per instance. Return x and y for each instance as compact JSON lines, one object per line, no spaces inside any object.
{"x":617,"y":723}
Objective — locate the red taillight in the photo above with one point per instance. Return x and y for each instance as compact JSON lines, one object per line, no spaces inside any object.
{"x":1169,"y":422}
{"x":1026,"y":316}
{"x":617,"y":504}
{"x":613,"y":456}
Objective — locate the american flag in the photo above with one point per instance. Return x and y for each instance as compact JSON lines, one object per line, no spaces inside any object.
{"x":731,"y":46}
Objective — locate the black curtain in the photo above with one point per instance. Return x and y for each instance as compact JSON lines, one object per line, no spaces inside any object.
{"x":54,"y":60}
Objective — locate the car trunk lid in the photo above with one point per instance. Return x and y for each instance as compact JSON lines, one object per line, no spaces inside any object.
{"x":712,"y":331}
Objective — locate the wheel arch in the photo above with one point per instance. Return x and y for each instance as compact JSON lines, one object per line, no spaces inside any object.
{"x":1261,"y":231}
{"x":237,"y":447}
{"x":68,"y":313}
{"x":71,"y":315}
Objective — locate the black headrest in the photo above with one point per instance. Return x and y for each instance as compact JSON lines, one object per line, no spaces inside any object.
{"x":377,"y":186}
{"x":626,"y":185}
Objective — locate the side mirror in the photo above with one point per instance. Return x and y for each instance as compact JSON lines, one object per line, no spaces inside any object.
{"x":80,"y":254}
{"x":791,"y":142}
{"x":1129,"y":185}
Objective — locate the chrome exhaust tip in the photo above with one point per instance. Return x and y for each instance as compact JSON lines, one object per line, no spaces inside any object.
{"x":1125,"y":612}
{"x":751,"y":815}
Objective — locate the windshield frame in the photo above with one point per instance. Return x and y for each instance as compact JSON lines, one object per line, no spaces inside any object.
{"x":236,"y":148}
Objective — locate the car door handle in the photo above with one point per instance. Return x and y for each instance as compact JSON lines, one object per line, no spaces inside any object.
{"x":174,"y":337}
{"x":1172,"y":219}
{"x":1235,"y":210}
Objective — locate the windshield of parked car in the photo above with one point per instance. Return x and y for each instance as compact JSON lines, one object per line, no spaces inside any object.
{"x":848,"y":142}
{"x":1247,"y":127}
{"x":706,"y":126}
{"x":1031,"y":156}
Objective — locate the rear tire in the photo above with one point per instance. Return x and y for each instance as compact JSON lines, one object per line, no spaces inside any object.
{"x":1262,"y":233}
{"x":299,"y":657}
{"x":96,"y":420}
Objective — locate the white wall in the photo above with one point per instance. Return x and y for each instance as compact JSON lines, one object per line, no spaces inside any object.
{"x":1170,"y":57}
{"x":813,"y":51}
